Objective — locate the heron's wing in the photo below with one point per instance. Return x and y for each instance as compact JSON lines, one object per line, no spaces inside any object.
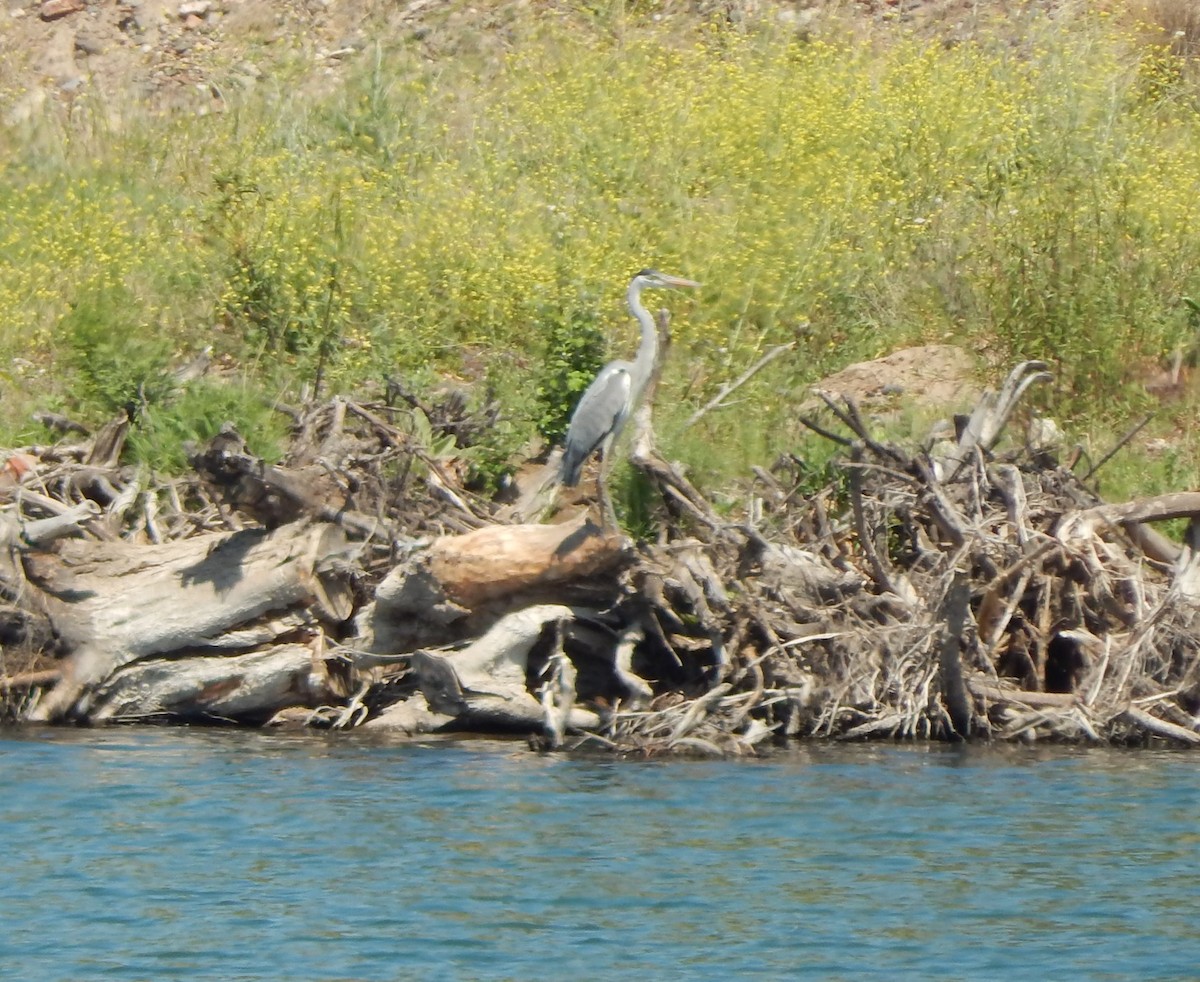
{"x":600,"y":413}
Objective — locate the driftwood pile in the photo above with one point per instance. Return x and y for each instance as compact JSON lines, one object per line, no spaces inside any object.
{"x":952,"y":591}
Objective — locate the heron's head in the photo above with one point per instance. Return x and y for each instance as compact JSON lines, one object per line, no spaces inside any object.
{"x":652,"y":278}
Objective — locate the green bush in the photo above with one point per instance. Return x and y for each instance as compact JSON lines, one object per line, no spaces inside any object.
{"x":120,"y":362}
{"x":161,"y":435}
{"x":574,"y":352}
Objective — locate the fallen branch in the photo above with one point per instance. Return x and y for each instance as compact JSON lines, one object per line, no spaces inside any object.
{"x":1161,"y":728}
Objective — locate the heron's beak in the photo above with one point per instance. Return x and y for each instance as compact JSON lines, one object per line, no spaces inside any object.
{"x":679,"y":281}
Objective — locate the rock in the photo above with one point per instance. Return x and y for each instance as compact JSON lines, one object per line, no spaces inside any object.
{"x":194,"y":8}
{"x":88,"y":45}
{"x":146,"y":15}
{"x":1044,"y":434}
{"x":54,"y":9}
{"x":57,"y":59}
{"x":409,"y":717}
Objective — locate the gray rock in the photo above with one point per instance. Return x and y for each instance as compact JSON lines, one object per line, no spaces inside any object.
{"x":88,"y":45}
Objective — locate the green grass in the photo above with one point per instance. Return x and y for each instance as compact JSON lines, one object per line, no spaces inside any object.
{"x":1029,"y":200}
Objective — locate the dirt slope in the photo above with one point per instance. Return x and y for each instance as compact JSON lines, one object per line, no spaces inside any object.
{"x":130,"y":55}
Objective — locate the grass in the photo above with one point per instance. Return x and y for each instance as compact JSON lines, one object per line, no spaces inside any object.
{"x":1028,"y":200}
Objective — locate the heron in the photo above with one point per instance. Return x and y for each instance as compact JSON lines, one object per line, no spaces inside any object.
{"x":615,"y":392}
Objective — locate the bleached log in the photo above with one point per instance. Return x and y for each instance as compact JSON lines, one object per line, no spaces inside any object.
{"x":636,"y":692}
{"x":990,"y":417}
{"x":114,"y":603}
{"x":998,"y":693}
{"x":1181,"y":504}
{"x":1132,"y":516}
{"x":1160,"y":727}
{"x":485,"y":685}
{"x":40,"y":531}
{"x":29,"y":680}
{"x":28,"y":620}
{"x":1186,"y":582}
{"x":248,"y":688}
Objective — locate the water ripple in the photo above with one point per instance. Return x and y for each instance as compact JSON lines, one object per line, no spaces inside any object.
{"x":198,"y":854}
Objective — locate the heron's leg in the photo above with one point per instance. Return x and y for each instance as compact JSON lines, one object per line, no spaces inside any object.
{"x":608,"y":515}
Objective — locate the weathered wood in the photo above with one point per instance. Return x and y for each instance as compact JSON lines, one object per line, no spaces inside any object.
{"x":991,"y":416}
{"x":727,"y":389}
{"x":1186,"y":583}
{"x":108,"y":444}
{"x":58,"y":422}
{"x":248,"y":688}
{"x":1181,"y":504}
{"x":677,"y":491}
{"x":443,"y":581}
{"x":38,"y":532}
{"x":504,"y":560}
{"x":114,"y":603}
{"x":485,"y":685}
{"x":999,"y":693}
{"x":29,"y":680}
{"x":275,"y":495}
{"x":821,"y":613}
{"x":557,"y":695}
{"x":953,"y":617}
{"x":1161,"y":728}
{"x":535,"y":491}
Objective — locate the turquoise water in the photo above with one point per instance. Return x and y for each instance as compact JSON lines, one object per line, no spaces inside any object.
{"x":189,"y":854}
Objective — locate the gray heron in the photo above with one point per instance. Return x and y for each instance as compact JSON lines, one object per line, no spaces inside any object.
{"x":615,"y":392}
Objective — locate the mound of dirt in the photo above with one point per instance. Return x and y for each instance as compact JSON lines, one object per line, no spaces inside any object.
{"x":931,"y":375}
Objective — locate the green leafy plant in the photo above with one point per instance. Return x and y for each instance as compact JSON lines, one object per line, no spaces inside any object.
{"x":120,"y":364}
{"x":161,"y":436}
{"x":574,"y":352}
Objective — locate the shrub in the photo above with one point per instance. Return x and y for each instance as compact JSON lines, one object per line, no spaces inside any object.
{"x":120,"y":364}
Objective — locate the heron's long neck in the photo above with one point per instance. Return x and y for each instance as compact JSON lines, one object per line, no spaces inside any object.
{"x":647,"y":352}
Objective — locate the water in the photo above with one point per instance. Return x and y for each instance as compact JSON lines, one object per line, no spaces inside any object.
{"x":187,"y":854}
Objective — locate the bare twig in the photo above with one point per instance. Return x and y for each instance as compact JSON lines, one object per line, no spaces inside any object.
{"x":727,"y":388}
{"x":1134,"y":431}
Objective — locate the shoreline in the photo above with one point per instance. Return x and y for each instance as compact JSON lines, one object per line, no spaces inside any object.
{"x":968,"y":590}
